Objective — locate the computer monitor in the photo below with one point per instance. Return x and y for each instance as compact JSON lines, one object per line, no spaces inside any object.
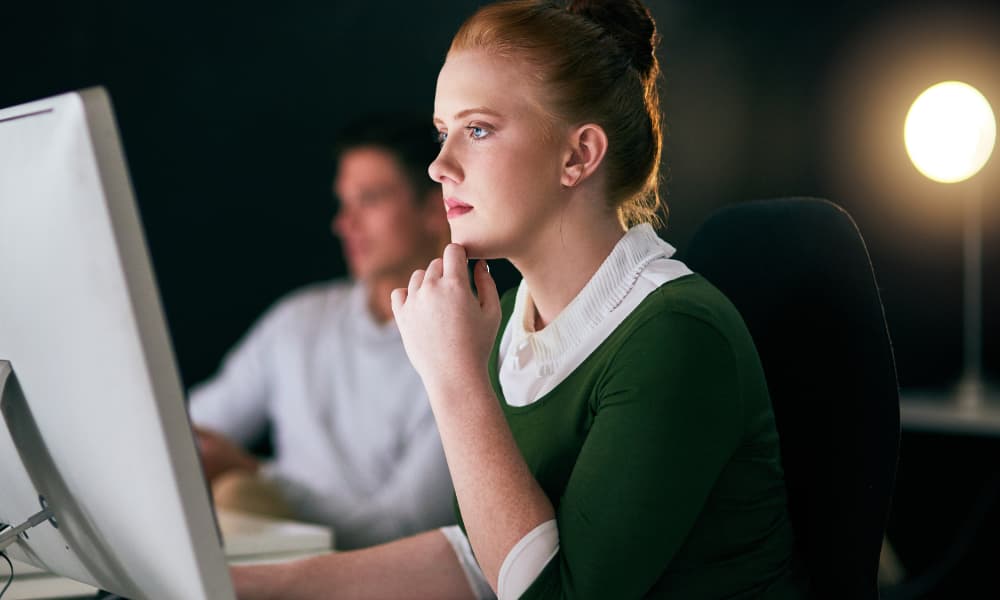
{"x":94,"y":428}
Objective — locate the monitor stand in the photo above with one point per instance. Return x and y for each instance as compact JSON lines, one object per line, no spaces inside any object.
{"x":81,"y":536}
{"x":10,"y":533}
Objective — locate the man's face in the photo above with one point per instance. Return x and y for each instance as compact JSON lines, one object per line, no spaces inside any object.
{"x":381,"y":223}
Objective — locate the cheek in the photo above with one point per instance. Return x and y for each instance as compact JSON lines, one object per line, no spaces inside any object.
{"x":527,"y":178}
{"x":398,"y":226}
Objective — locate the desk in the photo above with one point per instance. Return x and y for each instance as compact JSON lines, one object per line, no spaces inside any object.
{"x":247,"y":539}
{"x":937,"y":412}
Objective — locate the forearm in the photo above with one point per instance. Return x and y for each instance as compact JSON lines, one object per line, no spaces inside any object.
{"x":220,"y":455}
{"x":422,"y":566}
{"x":500,"y":499}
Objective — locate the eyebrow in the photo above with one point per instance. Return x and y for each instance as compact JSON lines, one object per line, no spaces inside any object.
{"x":469,"y":111}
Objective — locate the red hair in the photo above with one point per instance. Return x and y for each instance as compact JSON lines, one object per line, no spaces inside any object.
{"x":596,"y":62}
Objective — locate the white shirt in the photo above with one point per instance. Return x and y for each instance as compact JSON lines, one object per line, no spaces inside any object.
{"x":532,"y":363}
{"x":356,"y":445}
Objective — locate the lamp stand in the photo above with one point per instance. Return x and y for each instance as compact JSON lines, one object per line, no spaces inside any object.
{"x":971,"y":389}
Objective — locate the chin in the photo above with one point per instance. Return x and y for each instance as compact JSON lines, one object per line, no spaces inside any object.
{"x":359,"y":270}
{"x":476,"y":249}
{"x":479,"y":244}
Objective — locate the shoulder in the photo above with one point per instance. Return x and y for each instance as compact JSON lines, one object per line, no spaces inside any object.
{"x":319,"y":293}
{"x":691,"y":304}
{"x":687,"y":341}
{"x":686,"y":326}
{"x":309,"y":303}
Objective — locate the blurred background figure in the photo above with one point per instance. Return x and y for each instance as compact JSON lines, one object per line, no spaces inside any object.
{"x":324,"y":371}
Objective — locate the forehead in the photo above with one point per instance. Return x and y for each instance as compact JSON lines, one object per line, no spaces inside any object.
{"x":475,"y":78}
{"x":368,"y":166}
{"x":368,"y":162}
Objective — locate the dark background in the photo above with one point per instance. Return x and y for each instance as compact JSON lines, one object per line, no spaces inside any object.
{"x":228,"y":110}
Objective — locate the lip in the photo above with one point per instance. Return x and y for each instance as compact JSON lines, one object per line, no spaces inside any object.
{"x":456,"y":208}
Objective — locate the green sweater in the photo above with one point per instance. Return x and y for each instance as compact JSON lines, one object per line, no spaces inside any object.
{"x":660,"y":456}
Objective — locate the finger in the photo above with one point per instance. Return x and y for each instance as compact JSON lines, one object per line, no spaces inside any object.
{"x":489,"y":298}
{"x":456,"y":262}
{"x":397,"y":298}
{"x":434,"y":270}
{"x":415,"y":280}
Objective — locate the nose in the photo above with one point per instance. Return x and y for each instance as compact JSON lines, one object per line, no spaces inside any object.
{"x":445,"y":168}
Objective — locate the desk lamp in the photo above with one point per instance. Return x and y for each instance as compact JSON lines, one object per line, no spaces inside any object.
{"x":949,"y":133}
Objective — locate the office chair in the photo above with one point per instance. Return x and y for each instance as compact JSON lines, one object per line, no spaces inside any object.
{"x":798,"y":271}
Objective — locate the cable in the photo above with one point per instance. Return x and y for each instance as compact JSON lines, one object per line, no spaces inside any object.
{"x":11,"y":579}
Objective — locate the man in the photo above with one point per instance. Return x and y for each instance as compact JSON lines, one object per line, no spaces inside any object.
{"x":355,"y":443}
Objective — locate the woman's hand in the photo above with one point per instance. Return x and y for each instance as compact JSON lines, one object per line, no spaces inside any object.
{"x":448,"y":333}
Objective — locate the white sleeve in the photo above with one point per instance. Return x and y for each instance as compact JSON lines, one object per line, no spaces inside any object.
{"x":520,"y":568}
{"x":234,"y":402}
{"x":473,"y":574}
{"x":526,"y":560}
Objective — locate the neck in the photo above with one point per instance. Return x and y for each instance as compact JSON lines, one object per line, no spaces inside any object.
{"x":379,"y":291}
{"x":558,"y":267}
{"x":379,"y":287}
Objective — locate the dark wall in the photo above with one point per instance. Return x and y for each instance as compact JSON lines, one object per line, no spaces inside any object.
{"x":227,"y":112}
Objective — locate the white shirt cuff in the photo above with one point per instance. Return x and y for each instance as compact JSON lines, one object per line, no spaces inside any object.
{"x":526,"y":560}
{"x":473,"y":574}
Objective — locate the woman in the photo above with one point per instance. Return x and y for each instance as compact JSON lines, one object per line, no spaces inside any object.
{"x":616,"y":439}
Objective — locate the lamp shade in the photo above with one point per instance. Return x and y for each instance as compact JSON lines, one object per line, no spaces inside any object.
{"x":950,"y":131}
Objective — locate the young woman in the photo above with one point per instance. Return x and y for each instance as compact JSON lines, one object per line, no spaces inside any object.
{"x":615,"y":440}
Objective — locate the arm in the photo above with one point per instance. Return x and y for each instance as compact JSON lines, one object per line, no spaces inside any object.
{"x":231,"y":408}
{"x":233,"y":403}
{"x":219,"y":454}
{"x":448,"y":335}
{"x":500,"y":500}
{"x":422,"y":566}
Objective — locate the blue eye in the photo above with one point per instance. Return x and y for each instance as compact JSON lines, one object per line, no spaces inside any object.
{"x":477,"y":133}
{"x":441,"y":137}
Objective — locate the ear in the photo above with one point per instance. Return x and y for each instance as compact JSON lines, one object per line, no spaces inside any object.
{"x":587,"y":146}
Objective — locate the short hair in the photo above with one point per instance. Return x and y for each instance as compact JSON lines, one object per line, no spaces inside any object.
{"x":409,"y":138}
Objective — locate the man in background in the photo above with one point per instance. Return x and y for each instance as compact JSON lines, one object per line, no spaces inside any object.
{"x":355,"y":444}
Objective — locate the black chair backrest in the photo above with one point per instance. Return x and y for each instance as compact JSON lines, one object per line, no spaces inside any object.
{"x":799,"y":273}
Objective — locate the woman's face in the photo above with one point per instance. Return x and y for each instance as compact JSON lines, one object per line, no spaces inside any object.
{"x":498,"y":168}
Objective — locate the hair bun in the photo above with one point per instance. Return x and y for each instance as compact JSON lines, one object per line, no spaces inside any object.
{"x":629,"y":23}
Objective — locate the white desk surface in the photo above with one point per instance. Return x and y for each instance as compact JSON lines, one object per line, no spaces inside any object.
{"x":247,"y":539}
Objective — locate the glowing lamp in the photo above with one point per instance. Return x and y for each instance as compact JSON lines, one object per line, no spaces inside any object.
{"x":949,"y":134}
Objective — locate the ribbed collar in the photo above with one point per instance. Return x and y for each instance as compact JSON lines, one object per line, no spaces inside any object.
{"x":603,"y":293}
